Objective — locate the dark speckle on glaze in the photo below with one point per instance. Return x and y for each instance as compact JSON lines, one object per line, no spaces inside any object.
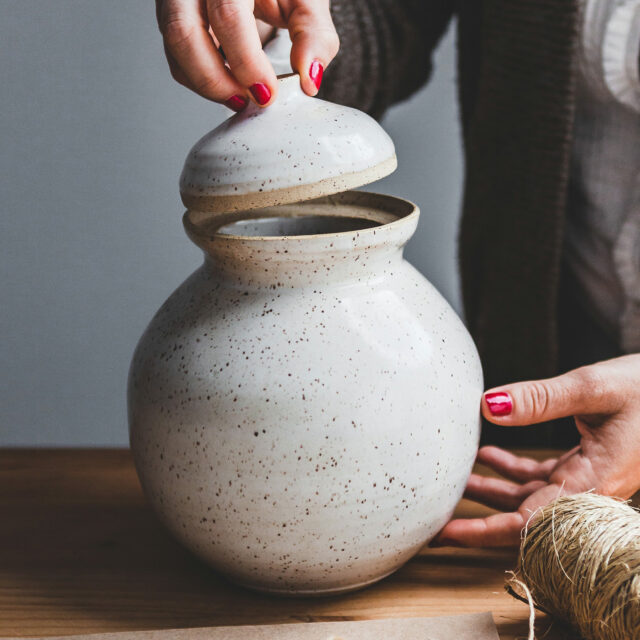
{"x":304,"y":409}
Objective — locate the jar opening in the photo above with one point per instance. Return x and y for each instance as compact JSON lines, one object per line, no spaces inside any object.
{"x":349,"y":220}
{"x":335,"y":238}
{"x":282,"y":226}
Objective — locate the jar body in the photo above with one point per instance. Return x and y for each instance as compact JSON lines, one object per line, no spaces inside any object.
{"x":307,"y":438}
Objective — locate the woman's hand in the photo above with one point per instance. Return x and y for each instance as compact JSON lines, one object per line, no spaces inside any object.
{"x":604,"y":398}
{"x":194,"y":31}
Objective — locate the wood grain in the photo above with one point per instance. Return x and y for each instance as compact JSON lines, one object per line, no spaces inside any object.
{"x":81,"y":552}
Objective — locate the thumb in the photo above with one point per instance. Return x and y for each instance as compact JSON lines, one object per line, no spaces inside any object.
{"x":579,"y":392}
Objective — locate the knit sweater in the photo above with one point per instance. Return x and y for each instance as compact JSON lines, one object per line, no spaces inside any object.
{"x":517,"y":77}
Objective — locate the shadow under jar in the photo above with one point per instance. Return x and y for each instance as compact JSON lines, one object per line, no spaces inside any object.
{"x":304,"y":407}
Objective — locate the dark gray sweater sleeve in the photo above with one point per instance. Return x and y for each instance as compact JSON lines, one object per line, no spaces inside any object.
{"x":385,"y":50}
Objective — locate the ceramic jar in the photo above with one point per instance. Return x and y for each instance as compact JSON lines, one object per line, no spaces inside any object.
{"x":304,"y":408}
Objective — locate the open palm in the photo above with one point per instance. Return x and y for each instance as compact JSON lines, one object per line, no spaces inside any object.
{"x":604,"y":398}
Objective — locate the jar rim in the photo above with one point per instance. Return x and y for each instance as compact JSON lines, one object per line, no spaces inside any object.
{"x":384,"y":211}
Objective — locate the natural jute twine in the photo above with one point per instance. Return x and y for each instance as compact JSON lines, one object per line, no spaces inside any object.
{"x":580,"y":561}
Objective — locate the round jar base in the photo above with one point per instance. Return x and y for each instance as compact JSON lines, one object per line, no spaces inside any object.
{"x":314,"y":593}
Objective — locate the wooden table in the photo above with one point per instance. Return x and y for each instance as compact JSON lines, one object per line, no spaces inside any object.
{"x":81,"y":552}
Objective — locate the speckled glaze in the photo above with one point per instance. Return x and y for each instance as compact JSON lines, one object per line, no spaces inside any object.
{"x":304,"y":409}
{"x":296,"y":149}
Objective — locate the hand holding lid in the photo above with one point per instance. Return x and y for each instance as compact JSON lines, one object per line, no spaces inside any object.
{"x":297,"y":149}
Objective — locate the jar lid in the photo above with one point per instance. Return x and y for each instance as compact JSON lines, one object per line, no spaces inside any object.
{"x":297,"y":149}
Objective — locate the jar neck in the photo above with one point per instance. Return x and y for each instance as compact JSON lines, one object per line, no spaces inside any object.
{"x":270,"y":266}
{"x":350,"y":237}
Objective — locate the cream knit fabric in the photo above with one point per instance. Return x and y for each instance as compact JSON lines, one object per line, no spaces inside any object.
{"x":603,"y":225}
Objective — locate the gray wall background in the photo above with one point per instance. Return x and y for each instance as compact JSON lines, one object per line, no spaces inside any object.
{"x":93,"y":133}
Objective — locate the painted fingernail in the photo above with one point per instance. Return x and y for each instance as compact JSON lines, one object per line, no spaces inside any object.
{"x":237,"y":103}
{"x":260,"y":92}
{"x":315,"y":73}
{"x":499,"y":403}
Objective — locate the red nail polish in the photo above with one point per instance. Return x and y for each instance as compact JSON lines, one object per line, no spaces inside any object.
{"x":261,"y":93}
{"x":237,"y":103}
{"x":315,"y":73}
{"x":499,"y":403}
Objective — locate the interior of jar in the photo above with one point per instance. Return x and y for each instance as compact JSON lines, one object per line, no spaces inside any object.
{"x":346,"y":212}
{"x":295,"y":226}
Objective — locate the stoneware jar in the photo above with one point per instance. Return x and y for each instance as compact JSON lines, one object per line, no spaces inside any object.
{"x":304,"y":408}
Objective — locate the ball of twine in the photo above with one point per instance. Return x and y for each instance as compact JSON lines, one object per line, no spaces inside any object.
{"x":580,"y":561}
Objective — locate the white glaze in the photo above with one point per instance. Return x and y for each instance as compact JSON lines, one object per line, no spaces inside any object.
{"x":304,"y":410}
{"x":295,"y":143}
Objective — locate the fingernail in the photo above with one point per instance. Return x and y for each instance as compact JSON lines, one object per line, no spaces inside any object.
{"x":237,"y":103}
{"x":261,"y":93}
{"x":315,"y":73}
{"x":499,"y":403}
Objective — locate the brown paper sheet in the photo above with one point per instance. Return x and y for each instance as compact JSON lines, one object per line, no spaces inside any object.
{"x":476,"y":626}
